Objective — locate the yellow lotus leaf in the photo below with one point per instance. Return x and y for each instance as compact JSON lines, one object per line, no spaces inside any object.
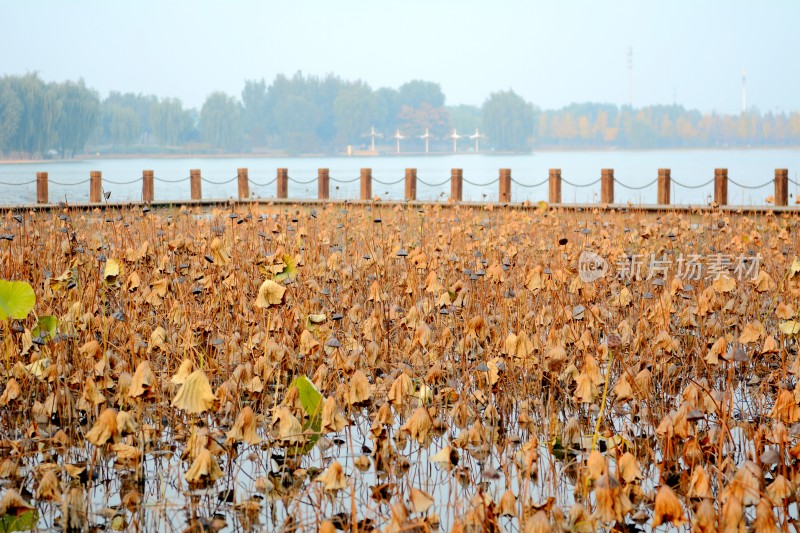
{"x":596,"y":465}
{"x":13,"y":504}
{"x":91,"y":394}
{"x":244,"y":429}
{"x":126,"y":423}
{"x":308,"y":343}
{"x":784,"y":311}
{"x":780,"y":489}
{"x":628,"y":468}
{"x":699,"y":484}
{"x":401,"y":389}
{"x":751,"y":332}
{"x":508,"y":504}
{"x":668,"y":508}
{"x":270,"y":293}
{"x":332,"y":420}
{"x":126,"y":453}
{"x":105,"y":428}
{"x":195,"y":395}
{"x":443,"y":456}
{"x":538,"y":523}
{"x":419,"y":425}
{"x":49,"y":488}
{"x":723,"y":284}
{"x":359,"y":389}
{"x":333,"y":478}
{"x":134,"y":281}
{"x":220,"y":255}
{"x":143,"y":379}
{"x":790,"y":327}
{"x":204,"y":468}
{"x":111,"y":271}
{"x":11,"y":392}
{"x":290,"y":430}
{"x":420,"y":501}
{"x":183,"y":372}
{"x":770,"y":345}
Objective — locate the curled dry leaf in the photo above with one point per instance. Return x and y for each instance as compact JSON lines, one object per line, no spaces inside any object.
{"x":195,"y":395}
{"x":104,"y":429}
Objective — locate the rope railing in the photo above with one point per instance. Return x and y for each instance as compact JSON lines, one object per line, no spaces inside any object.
{"x":665,"y":184}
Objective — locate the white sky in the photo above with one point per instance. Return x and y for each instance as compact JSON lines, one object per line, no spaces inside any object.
{"x":552,"y":52}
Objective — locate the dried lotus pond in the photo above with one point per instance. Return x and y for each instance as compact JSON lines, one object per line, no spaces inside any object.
{"x":399,"y":368}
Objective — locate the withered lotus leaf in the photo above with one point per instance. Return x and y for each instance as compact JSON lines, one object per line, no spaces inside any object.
{"x":244,"y":429}
{"x":204,"y":468}
{"x":195,"y":395}
{"x":668,"y":508}
{"x":421,"y":501}
{"x":105,"y":428}
{"x":270,"y":293}
{"x":333,"y":477}
{"x":142,"y":380}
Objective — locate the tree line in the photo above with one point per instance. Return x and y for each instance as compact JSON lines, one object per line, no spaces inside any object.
{"x":325,"y":114}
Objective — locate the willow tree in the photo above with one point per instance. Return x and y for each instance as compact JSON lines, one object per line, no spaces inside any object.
{"x":221,"y":122}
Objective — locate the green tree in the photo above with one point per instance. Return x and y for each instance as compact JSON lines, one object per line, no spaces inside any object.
{"x":220,"y":122}
{"x":255,"y":112}
{"x":10,"y":113}
{"x":355,"y":111}
{"x":79,"y":111}
{"x":169,"y":121}
{"x":508,"y":120}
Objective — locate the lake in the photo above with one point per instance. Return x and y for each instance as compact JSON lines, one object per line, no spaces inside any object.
{"x":751,"y":168}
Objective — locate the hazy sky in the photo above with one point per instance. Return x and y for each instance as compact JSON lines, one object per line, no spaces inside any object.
{"x":552,"y":52}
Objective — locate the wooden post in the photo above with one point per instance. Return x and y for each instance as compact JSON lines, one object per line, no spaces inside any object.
{"x":721,"y":186}
{"x":244,"y":183}
{"x":664,"y":186}
{"x":148,"y":177}
{"x":607,"y":186}
{"x":505,"y":185}
{"x":95,"y":186}
{"x":782,"y":186}
{"x":555,"y":186}
{"x":456,"y":184}
{"x":196,"y":184}
{"x":283,"y":183}
{"x":323,"y":183}
{"x":41,"y":187}
{"x":366,"y":183}
{"x":411,"y":184}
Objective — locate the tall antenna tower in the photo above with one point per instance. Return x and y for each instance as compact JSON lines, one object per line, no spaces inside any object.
{"x":744,"y":91}
{"x":630,"y":76}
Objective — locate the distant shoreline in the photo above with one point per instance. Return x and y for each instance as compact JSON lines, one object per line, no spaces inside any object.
{"x":188,"y":155}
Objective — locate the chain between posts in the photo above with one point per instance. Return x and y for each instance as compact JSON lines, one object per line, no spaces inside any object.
{"x":635,"y":188}
{"x":579,"y":186}
{"x":16,"y":184}
{"x":393,"y":182}
{"x":679,"y":184}
{"x":465,"y":180}
{"x":112,"y":182}
{"x":171,"y":181}
{"x":530,"y":186}
{"x":267,"y":184}
{"x":220,"y":182}
{"x":299,"y":182}
{"x":750,"y":186}
{"x":434,"y":184}
{"x":69,"y":184}
{"x":345,"y":181}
